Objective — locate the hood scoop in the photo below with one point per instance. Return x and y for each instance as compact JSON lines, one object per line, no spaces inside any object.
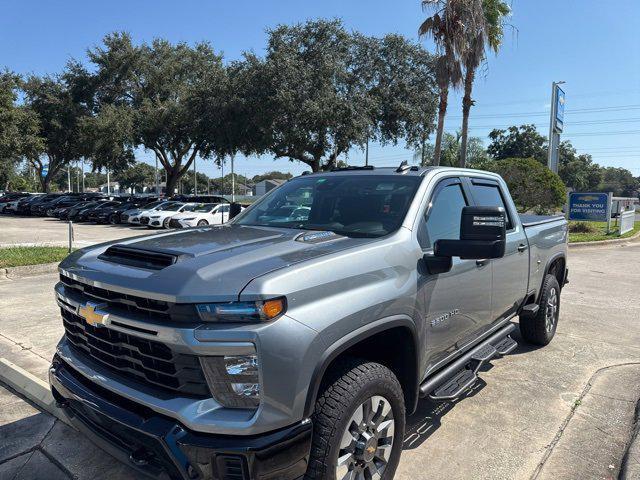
{"x":141,"y":258}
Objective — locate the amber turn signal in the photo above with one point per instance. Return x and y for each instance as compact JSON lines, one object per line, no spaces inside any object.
{"x":273,"y":308}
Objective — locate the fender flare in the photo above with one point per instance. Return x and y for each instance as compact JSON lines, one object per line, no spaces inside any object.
{"x":353,"y":338}
{"x":550,"y":262}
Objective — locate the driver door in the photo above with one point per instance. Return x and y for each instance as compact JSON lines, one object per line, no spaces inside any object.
{"x":457,"y":303}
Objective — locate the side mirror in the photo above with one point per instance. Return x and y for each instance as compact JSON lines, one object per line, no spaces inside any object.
{"x":234,"y":210}
{"x":482,"y":235}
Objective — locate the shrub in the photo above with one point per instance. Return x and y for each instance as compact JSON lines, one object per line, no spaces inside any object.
{"x":581,"y":227}
{"x":532,"y":185}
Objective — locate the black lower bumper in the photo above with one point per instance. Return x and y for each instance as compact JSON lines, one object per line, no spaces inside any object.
{"x":160,"y":447}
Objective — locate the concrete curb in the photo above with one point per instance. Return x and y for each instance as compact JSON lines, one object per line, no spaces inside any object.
{"x":631,"y":462}
{"x":29,"y":386}
{"x":602,"y":243}
{"x":29,"y":270}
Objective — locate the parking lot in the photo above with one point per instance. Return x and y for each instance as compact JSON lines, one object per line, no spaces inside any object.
{"x":565,"y":411}
{"x":51,"y":231}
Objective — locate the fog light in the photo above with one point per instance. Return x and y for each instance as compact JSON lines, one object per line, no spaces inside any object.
{"x":233,"y":380}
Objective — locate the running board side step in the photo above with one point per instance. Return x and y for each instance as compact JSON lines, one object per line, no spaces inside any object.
{"x":454,"y":379}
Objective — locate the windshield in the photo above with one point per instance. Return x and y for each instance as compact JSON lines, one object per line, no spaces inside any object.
{"x":151,"y":205}
{"x":172,"y":207}
{"x":352,"y":205}
{"x":199,"y":207}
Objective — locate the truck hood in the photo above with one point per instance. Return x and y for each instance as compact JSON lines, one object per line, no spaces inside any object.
{"x":213,"y":263}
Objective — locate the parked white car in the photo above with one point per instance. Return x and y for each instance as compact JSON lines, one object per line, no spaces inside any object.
{"x":160,"y":218}
{"x":133,"y":216}
{"x":201,"y":214}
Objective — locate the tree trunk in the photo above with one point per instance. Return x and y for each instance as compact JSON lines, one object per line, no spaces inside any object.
{"x":315,"y":165}
{"x":466,"y":108}
{"x":442,"y":111}
{"x":173,"y":176}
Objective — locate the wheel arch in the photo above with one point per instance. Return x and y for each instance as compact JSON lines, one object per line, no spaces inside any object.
{"x":556,"y":266}
{"x":392,"y":341}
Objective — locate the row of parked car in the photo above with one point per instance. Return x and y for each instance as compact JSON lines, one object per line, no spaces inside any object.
{"x":176,"y":212}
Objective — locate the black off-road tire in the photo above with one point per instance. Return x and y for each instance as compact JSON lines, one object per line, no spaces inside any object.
{"x":349,"y":383}
{"x":534,"y":328}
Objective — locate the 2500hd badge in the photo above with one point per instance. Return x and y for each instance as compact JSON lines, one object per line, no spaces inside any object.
{"x":294,"y":340}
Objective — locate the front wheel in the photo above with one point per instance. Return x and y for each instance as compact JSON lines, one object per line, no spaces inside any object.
{"x":203,"y":223}
{"x":540,"y":328}
{"x":359,"y":423}
{"x":114,"y":219}
{"x":165,"y":223}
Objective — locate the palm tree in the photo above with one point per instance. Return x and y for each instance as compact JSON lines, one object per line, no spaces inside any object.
{"x":446,"y":29}
{"x":483,"y":26}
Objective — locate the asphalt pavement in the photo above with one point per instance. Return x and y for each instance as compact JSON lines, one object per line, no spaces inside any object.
{"x":53,"y":232}
{"x":564,"y":411}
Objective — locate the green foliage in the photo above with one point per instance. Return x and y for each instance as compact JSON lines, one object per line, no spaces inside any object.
{"x":532,"y":185}
{"x":274,"y":175}
{"x":60,"y":116}
{"x":577,"y":171}
{"x":136,"y":176}
{"x":450,"y":154}
{"x":518,"y":142}
{"x":620,"y":181}
{"x":324,"y":90}
{"x":161,"y":86}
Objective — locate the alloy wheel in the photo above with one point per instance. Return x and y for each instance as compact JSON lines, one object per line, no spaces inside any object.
{"x":367,"y":442}
{"x":551,"y":310}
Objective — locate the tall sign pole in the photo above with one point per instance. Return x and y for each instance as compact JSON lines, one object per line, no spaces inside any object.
{"x":556,"y":125}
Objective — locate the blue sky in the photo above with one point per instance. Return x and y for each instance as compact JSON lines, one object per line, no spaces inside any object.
{"x":590,"y":44}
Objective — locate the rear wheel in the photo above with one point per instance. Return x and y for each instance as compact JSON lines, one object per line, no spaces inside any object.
{"x":359,"y":423}
{"x":540,"y":328}
{"x":114,"y":219}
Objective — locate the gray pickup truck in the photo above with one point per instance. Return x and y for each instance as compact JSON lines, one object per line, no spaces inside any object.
{"x":293,"y":341}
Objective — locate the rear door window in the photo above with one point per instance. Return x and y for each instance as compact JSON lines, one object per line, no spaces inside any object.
{"x":489,"y":195}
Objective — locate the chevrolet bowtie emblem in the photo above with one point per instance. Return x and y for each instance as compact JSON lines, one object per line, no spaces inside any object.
{"x":92,"y":314}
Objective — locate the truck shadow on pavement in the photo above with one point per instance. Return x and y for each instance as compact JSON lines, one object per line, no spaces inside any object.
{"x":427,"y":418}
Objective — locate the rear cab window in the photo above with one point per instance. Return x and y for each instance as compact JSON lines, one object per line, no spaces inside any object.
{"x":487,"y":193}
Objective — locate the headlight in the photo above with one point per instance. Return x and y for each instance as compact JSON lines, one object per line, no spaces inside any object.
{"x":188,"y":219}
{"x":233,"y":380}
{"x":260,"y":311}
{"x":156,"y":216}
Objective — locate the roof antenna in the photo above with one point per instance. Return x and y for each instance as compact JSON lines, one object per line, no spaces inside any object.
{"x":404,"y":166}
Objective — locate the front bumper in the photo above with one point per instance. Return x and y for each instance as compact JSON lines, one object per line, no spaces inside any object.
{"x":162,"y":448}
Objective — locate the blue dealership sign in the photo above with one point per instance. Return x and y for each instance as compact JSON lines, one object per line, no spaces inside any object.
{"x":559,"y":108}
{"x":589,"y":206}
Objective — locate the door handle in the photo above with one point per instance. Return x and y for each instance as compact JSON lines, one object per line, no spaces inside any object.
{"x":522,"y":247}
{"x":481,"y":263}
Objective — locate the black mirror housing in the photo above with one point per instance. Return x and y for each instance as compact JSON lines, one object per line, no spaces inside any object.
{"x":482,"y":235}
{"x":234,"y":209}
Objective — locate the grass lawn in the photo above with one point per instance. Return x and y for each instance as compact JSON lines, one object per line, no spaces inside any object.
{"x":599,"y":232}
{"x":18,"y":256}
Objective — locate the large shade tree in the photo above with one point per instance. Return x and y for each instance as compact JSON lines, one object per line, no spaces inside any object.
{"x":158,"y":85}
{"x":322,"y":91}
{"x":518,"y":142}
{"x":19,"y":130}
{"x":59,"y":117}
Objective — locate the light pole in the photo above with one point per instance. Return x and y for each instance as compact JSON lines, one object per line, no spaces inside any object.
{"x":556,"y":124}
{"x":157,"y":178}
